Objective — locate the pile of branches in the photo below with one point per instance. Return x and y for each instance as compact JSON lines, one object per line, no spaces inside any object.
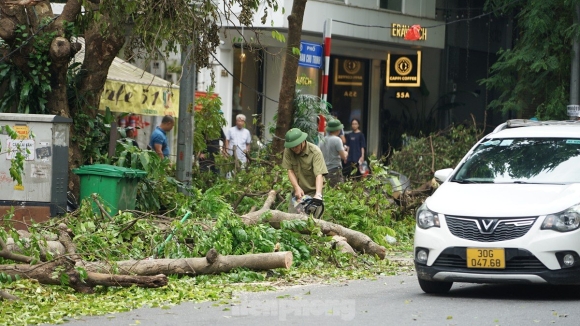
{"x":421,"y":157}
{"x":61,"y":254}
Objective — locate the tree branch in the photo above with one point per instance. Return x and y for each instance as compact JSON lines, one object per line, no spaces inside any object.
{"x":5,"y":253}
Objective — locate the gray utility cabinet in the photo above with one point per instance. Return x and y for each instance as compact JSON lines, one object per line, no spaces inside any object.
{"x":45,"y":178}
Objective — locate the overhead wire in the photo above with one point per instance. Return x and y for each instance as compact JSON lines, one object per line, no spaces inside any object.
{"x":434,"y":26}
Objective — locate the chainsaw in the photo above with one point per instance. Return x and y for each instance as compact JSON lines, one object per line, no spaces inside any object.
{"x":310,"y":206}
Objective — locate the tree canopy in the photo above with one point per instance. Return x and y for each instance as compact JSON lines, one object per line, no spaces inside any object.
{"x":534,"y":75}
{"x":37,"y":47}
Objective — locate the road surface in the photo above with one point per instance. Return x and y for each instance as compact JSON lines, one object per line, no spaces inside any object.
{"x":391,"y":300}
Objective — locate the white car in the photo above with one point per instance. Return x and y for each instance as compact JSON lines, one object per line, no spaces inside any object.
{"x":508,"y":213}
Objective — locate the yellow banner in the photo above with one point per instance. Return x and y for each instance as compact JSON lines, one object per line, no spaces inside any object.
{"x":140,"y":99}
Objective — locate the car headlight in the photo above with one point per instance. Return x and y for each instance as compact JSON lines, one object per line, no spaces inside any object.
{"x":565,"y":221}
{"x":426,"y":218}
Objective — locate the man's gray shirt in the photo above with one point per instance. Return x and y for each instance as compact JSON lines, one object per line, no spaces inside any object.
{"x":331,"y":147}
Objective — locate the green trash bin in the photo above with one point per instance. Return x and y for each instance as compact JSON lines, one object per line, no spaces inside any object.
{"x":116,"y":185}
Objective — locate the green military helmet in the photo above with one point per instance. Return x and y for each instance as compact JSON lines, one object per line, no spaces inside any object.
{"x":294,"y":137}
{"x":334,"y":125}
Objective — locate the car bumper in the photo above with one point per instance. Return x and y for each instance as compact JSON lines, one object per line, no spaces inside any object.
{"x":535,"y":257}
{"x":561,"y":276}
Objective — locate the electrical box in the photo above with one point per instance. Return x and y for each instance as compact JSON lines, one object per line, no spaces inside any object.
{"x":43,"y":140}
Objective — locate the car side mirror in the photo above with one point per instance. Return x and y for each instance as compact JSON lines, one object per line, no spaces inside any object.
{"x":442,"y":175}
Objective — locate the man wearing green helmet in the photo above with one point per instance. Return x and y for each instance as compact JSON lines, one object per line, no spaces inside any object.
{"x":333,"y":151}
{"x":305,"y":165}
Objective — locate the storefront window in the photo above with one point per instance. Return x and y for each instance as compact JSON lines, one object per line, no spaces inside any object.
{"x":247,"y":84}
{"x":348,"y":90}
{"x":307,"y":80}
{"x":395,"y":5}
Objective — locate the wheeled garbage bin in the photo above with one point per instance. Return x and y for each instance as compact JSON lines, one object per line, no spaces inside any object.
{"x":116,"y":185}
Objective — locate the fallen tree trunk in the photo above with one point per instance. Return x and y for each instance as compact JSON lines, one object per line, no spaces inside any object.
{"x":341,"y":245}
{"x":357,"y":240}
{"x":52,"y":273}
{"x":213,"y":263}
{"x":151,"y":281}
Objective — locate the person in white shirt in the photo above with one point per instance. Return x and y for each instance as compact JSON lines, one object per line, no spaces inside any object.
{"x":238,"y":139}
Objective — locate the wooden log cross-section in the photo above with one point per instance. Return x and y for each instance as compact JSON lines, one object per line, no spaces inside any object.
{"x":357,"y":240}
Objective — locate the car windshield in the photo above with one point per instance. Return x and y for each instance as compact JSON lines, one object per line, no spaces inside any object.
{"x":522,"y":160}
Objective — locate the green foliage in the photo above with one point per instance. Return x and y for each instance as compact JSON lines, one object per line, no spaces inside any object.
{"x":56,"y":305}
{"x":279,"y":37}
{"x":208,"y":121}
{"x":156,"y":192}
{"x":17,"y":164}
{"x":421,"y":157}
{"x":27,"y":90}
{"x":92,"y":135}
{"x":361,"y":205}
{"x":167,"y":25}
{"x":307,"y":108}
{"x":535,"y":73}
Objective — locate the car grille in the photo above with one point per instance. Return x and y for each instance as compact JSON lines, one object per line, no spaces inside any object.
{"x":470,"y":228}
{"x":515,"y":260}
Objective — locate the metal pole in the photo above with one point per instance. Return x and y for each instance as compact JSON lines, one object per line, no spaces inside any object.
{"x":114,"y":136}
{"x":575,"y":69}
{"x":327,"y":35}
{"x":185,"y":120}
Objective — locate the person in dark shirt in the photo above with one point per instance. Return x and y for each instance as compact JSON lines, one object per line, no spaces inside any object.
{"x":130,"y":133}
{"x":356,"y":143}
{"x":207,"y":157}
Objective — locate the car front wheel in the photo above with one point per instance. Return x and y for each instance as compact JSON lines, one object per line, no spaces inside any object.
{"x":434,"y":286}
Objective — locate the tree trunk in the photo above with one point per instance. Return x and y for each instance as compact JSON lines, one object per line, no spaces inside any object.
{"x":213,"y":263}
{"x":288,"y":87}
{"x":355,"y":239}
{"x":44,"y":272}
{"x":341,"y":245}
{"x":95,"y":69}
{"x":150,"y":281}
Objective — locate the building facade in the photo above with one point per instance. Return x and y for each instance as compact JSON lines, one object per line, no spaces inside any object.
{"x":248,"y":65}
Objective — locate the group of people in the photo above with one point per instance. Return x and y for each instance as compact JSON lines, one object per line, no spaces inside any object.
{"x":237,"y":142}
{"x":338,"y":155}
{"x":308,"y":165}
{"x":342,"y":153}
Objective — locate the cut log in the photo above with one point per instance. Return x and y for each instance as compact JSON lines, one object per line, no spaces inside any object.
{"x":154,"y":281}
{"x":213,"y":263}
{"x":341,"y":245}
{"x":357,"y":240}
{"x":44,"y":274}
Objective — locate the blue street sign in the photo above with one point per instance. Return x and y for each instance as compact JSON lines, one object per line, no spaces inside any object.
{"x":310,"y":55}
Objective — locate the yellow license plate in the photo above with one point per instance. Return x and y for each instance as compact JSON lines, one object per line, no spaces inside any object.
{"x":485,"y":258}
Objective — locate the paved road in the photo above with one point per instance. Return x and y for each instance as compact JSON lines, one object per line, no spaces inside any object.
{"x":393,"y":300}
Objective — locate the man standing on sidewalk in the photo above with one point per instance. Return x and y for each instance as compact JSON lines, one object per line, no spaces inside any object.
{"x":333,"y":152}
{"x":238,"y":139}
{"x":158,"y":142}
